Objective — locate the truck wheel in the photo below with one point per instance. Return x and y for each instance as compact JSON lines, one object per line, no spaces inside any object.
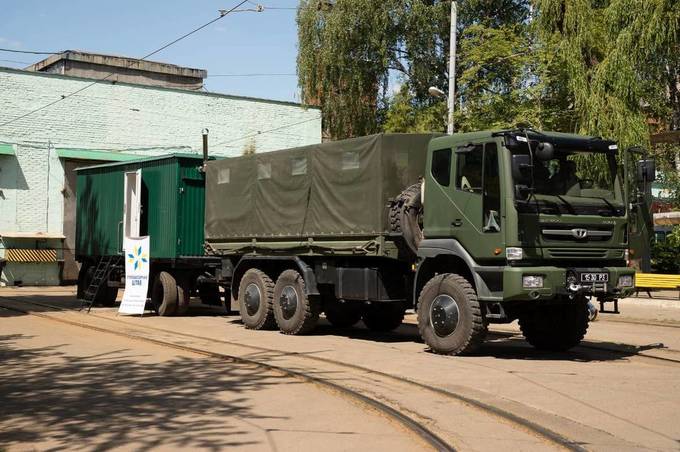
{"x":383,"y":316}
{"x":183,"y":297}
{"x":255,"y":298}
{"x":556,"y":328}
{"x":164,"y":294}
{"x":294,"y":310}
{"x":342,"y":315}
{"x":406,"y":218}
{"x":450,"y":318}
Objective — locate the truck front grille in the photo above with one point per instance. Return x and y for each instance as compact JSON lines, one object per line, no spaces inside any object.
{"x":577,"y":253}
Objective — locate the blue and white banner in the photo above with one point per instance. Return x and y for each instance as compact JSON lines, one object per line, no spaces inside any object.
{"x":136,"y":275}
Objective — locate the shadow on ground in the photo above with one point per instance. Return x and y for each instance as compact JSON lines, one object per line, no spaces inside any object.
{"x":115,"y":399}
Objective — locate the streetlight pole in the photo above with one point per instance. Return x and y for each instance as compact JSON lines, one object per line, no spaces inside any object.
{"x":452,"y":66}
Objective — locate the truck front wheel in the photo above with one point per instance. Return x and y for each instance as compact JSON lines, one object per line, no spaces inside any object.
{"x":294,"y":310}
{"x":450,"y":318}
{"x":255,"y":298}
{"x":556,"y":328}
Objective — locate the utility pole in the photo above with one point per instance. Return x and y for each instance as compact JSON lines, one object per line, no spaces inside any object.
{"x":452,"y":66}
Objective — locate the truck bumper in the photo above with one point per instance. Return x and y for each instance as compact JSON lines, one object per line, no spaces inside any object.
{"x":555,"y":283}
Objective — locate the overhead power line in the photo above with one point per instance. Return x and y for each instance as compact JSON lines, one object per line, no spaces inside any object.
{"x":32,"y":52}
{"x":253,"y":75}
{"x":262,"y":132}
{"x":223,"y":14}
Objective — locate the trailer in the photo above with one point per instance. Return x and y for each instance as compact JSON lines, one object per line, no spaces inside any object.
{"x":160,"y":197}
{"x":468,"y":229}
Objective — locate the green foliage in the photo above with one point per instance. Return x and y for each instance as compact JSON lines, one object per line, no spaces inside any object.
{"x":600,"y":67}
{"x":666,"y":253}
{"x":406,"y":115}
{"x":668,"y":171}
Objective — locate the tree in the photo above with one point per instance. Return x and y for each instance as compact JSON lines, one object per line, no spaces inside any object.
{"x":350,"y":51}
{"x":616,"y":54}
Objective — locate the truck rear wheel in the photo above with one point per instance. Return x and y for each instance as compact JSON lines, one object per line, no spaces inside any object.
{"x":294,"y":310}
{"x":342,"y":315}
{"x":106,"y":296}
{"x":449,"y":316}
{"x":556,"y":328}
{"x":255,"y":298}
{"x":383,"y":316}
{"x":164,"y":294}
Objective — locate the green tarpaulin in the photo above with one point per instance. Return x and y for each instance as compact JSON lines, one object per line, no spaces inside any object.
{"x":333,"y":189}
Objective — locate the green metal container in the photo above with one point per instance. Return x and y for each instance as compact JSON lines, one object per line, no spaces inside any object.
{"x":173,"y":206}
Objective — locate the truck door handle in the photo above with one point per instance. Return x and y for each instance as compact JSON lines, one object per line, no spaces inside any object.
{"x":457,"y":223}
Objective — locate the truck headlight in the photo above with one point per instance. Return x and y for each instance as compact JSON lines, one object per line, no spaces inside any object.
{"x":532,"y":282}
{"x":514,"y":254}
{"x":626,"y":281}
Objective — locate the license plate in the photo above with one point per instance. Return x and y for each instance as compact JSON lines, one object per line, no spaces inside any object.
{"x":594,"y":277}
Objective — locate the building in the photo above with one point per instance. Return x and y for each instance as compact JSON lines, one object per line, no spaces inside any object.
{"x":111,"y":120}
{"x":121,"y":69}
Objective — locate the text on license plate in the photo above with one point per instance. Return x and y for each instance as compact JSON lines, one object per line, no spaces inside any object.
{"x":594,"y":277}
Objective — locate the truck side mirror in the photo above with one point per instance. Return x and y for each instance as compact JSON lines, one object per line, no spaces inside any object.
{"x":646,"y":170}
{"x":521,"y":166}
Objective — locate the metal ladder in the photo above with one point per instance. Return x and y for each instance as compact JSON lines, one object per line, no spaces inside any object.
{"x":99,"y":279}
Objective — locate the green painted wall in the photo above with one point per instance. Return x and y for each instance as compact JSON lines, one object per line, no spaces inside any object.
{"x":172,"y":207}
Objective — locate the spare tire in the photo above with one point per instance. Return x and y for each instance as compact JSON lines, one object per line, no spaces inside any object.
{"x":406,"y":218}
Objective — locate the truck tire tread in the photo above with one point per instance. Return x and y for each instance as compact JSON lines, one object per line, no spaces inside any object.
{"x":478,"y":328}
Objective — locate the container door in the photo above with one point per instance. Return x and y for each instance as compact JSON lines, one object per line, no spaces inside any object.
{"x":132,"y":208}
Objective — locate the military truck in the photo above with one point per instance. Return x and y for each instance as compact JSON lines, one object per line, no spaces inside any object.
{"x":468,"y":229}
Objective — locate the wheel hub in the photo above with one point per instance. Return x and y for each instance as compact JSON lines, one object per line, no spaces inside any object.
{"x":253,"y":298}
{"x":444,"y":315}
{"x":288,"y":302}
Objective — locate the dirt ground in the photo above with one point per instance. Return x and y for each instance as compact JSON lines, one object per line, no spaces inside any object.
{"x":609,"y":394}
{"x":62,"y":387}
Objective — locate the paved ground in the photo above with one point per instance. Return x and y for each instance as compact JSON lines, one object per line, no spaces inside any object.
{"x":600,"y":399}
{"x":63,"y":387}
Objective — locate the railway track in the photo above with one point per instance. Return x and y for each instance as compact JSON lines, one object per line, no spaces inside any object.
{"x":487,"y":409}
{"x":415,"y":427}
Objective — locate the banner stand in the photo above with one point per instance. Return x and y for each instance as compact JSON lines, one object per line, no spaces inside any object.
{"x":136,"y":276}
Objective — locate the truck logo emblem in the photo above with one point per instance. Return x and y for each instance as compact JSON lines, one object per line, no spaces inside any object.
{"x":579,"y":233}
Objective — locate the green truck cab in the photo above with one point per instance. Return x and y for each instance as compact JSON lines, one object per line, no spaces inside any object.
{"x":533,"y":222}
{"x":468,"y":229}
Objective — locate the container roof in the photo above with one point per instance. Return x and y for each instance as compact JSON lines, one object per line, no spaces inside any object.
{"x":174,"y":155}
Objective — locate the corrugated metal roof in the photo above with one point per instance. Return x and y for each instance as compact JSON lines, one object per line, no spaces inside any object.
{"x":88,"y":154}
{"x":6,"y":149}
{"x":144,"y":159}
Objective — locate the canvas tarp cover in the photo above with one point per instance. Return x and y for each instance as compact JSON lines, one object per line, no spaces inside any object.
{"x":333,"y":189}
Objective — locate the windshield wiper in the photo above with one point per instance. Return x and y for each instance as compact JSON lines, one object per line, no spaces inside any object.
{"x":569,"y":206}
{"x":611,"y":206}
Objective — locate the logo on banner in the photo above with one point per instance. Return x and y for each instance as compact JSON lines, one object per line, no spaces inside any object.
{"x":138,"y":259}
{"x":136,"y":275}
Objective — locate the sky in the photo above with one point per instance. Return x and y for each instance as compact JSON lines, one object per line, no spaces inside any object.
{"x":241,"y":43}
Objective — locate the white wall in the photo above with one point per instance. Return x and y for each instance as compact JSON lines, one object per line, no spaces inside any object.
{"x":119,"y":117}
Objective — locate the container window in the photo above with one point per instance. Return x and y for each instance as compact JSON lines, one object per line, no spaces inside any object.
{"x":441,"y":167}
{"x":264,"y":170}
{"x":350,"y":160}
{"x":223,"y":175}
{"x":298,"y":166}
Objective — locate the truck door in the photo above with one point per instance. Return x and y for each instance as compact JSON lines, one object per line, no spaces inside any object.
{"x":476,"y":190}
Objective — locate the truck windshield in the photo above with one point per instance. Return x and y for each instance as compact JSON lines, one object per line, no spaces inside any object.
{"x":575,"y":182}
